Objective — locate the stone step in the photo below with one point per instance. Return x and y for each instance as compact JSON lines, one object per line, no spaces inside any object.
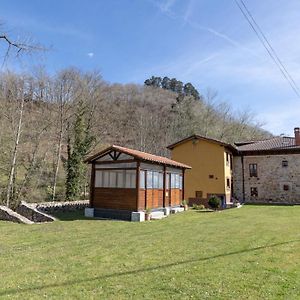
{"x":178,"y":209}
{"x":157,"y":215}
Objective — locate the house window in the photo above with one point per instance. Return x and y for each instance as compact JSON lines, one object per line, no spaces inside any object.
{"x":228,"y":183}
{"x":199,"y":194}
{"x":286,"y":187}
{"x":285,"y":163}
{"x":227,"y":158}
{"x":253,"y":170}
{"x":253,"y":192}
{"x":211,"y":176}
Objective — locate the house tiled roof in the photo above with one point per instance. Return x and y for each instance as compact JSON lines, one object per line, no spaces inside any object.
{"x":140,"y":155}
{"x":201,"y":137}
{"x":272,"y":144}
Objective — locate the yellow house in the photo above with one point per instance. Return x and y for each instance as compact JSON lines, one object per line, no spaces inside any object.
{"x":211,"y":162}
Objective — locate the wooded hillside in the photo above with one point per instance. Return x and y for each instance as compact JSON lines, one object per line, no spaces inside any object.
{"x":42,"y":117}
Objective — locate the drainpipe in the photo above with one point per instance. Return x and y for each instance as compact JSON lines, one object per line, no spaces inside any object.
{"x":243,"y":177}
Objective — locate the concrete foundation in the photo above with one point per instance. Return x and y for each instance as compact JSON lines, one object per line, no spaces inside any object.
{"x":89,"y":212}
{"x":167,"y":211}
{"x":138,"y":216}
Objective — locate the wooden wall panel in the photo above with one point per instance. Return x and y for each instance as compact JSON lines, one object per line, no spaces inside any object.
{"x":118,"y":198}
{"x":149,"y":196}
{"x":142,"y":196}
{"x":154,"y":198}
{"x":176,"y":196}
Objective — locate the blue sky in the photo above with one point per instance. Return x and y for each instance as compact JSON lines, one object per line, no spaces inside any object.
{"x":206,"y":42}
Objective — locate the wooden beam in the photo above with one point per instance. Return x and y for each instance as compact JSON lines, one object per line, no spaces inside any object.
{"x":109,"y":169}
{"x":118,"y":155}
{"x":115,"y":161}
{"x":138,"y":169}
{"x":92,"y":186}
{"x":164,"y":186}
{"x":183,"y":175}
{"x":112,"y":155}
{"x":146,"y":188}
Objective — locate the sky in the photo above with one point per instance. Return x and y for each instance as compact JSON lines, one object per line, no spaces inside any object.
{"x":206,"y":42}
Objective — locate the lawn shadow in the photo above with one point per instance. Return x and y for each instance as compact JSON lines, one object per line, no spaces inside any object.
{"x":138,"y":271}
{"x":70,"y":215}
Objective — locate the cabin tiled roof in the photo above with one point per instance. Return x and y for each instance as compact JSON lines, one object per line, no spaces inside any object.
{"x":272,"y":144}
{"x":140,"y":155}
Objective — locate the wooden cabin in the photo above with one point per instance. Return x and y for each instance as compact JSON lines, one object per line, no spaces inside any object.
{"x":125,"y":180}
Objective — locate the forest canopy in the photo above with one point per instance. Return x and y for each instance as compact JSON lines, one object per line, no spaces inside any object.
{"x":70,"y":114}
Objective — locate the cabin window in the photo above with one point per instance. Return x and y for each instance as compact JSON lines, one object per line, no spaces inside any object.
{"x":168,"y":181}
{"x":180,"y":181}
{"x":130,"y":181}
{"x":105,"y":182}
{"x":253,"y":170}
{"x":142,"y":179}
{"x":173,"y":181}
{"x":149,"y":180}
{"x":160,"y":181}
{"x":112,"y":179}
{"x":155,"y":180}
{"x":253,"y":192}
{"x":115,"y":179}
{"x":120,"y":178}
{"x":285,"y":163}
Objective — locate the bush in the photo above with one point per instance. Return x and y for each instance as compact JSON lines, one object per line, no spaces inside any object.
{"x":198,"y":207}
{"x":214,"y":202}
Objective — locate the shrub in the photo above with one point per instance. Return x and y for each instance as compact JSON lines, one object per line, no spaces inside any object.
{"x":184,"y":202}
{"x":148,"y":211}
{"x":214,"y":202}
{"x":198,"y":207}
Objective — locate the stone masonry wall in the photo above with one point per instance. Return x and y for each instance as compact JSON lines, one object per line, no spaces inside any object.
{"x":30,"y":212}
{"x":52,"y":207}
{"x":271,"y":179}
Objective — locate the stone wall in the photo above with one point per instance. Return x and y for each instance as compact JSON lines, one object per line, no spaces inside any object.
{"x":30,"y":212}
{"x":271,"y":181}
{"x":6,"y":214}
{"x":52,"y":207}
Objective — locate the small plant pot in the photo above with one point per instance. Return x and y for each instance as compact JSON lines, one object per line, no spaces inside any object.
{"x":147,"y":217}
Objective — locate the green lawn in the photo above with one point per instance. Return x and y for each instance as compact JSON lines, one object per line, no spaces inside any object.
{"x":247,"y":253}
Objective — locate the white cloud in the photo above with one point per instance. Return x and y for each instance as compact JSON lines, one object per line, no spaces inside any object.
{"x":90,"y":54}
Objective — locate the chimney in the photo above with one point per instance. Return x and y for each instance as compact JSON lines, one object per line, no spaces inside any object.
{"x":297,"y":136}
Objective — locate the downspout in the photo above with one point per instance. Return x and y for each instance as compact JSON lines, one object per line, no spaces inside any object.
{"x":243,"y":177}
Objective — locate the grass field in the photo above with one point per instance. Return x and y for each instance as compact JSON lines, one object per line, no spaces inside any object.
{"x":247,"y":253}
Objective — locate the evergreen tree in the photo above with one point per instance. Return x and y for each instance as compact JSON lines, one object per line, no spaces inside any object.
{"x":165,"y":84}
{"x":175,"y":86}
{"x":75,"y":167}
{"x":153,"y":81}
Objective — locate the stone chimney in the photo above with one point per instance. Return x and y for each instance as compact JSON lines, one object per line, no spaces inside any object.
{"x":297,"y":136}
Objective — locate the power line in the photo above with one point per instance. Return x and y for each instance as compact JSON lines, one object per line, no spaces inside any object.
{"x":267,"y":45}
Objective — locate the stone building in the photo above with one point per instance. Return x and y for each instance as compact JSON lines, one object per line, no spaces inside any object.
{"x":268,"y":171}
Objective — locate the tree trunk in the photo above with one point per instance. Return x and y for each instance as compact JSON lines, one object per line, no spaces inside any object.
{"x":14,"y":156}
{"x":57,"y":164}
